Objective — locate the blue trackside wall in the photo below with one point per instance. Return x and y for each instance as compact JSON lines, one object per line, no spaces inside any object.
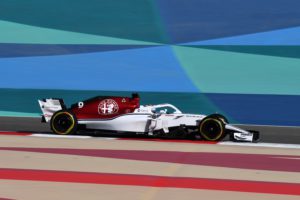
{"x":239,"y":58}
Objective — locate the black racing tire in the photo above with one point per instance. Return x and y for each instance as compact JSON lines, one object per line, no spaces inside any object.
{"x":212,"y":128}
{"x":63,"y":122}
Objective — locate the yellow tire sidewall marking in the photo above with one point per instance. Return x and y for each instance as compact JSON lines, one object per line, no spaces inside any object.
{"x":69,"y":129}
{"x":221,"y":126}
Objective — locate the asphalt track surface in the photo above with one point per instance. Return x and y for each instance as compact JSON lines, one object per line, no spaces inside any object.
{"x":269,"y":134}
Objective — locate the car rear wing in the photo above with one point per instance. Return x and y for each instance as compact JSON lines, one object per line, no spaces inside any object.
{"x":49,"y":107}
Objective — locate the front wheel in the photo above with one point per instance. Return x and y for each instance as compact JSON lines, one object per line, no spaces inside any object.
{"x":212,"y":129}
{"x":63,"y":122}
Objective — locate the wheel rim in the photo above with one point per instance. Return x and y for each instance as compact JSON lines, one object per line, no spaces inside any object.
{"x":211,"y":129}
{"x":63,"y":123}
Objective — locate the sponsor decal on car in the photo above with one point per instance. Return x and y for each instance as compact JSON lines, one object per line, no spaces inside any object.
{"x":108,"y":107}
{"x":80,"y":104}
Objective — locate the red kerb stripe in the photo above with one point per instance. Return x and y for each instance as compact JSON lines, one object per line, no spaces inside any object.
{"x":15,"y":133}
{"x":151,"y":181}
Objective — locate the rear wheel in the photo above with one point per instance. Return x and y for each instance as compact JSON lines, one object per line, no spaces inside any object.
{"x":63,"y":122}
{"x":212,"y":128}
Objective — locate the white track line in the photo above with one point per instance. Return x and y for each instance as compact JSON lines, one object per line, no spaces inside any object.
{"x":69,"y":136}
{"x":60,"y":136}
{"x":274,"y":145}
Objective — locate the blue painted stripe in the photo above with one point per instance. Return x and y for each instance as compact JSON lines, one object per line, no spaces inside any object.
{"x":24,"y":50}
{"x":260,"y":109}
{"x":289,"y":36}
{"x":148,"y":69}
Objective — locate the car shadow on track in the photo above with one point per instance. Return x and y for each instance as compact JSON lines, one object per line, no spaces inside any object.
{"x":114,"y":135}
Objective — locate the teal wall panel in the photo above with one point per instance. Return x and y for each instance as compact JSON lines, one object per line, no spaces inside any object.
{"x":239,"y":58}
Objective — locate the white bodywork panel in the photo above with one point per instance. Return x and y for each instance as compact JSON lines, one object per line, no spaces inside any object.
{"x":143,"y":122}
{"x":49,"y":107}
{"x":240,"y":134}
{"x":128,"y":123}
{"x":144,"y":119}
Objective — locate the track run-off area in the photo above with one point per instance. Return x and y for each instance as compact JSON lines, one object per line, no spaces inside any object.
{"x":36,"y":164}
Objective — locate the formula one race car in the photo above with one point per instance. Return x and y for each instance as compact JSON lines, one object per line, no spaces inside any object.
{"x":125,"y":114}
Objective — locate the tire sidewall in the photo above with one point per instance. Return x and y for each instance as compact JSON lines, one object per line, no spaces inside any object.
{"x":73,"y":127}
{"x":217,"y":120}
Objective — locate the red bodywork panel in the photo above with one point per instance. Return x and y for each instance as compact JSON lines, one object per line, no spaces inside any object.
{"x":105,"y":107}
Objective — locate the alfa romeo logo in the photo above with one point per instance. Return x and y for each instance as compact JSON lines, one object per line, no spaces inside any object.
{"x":108,"y":107}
